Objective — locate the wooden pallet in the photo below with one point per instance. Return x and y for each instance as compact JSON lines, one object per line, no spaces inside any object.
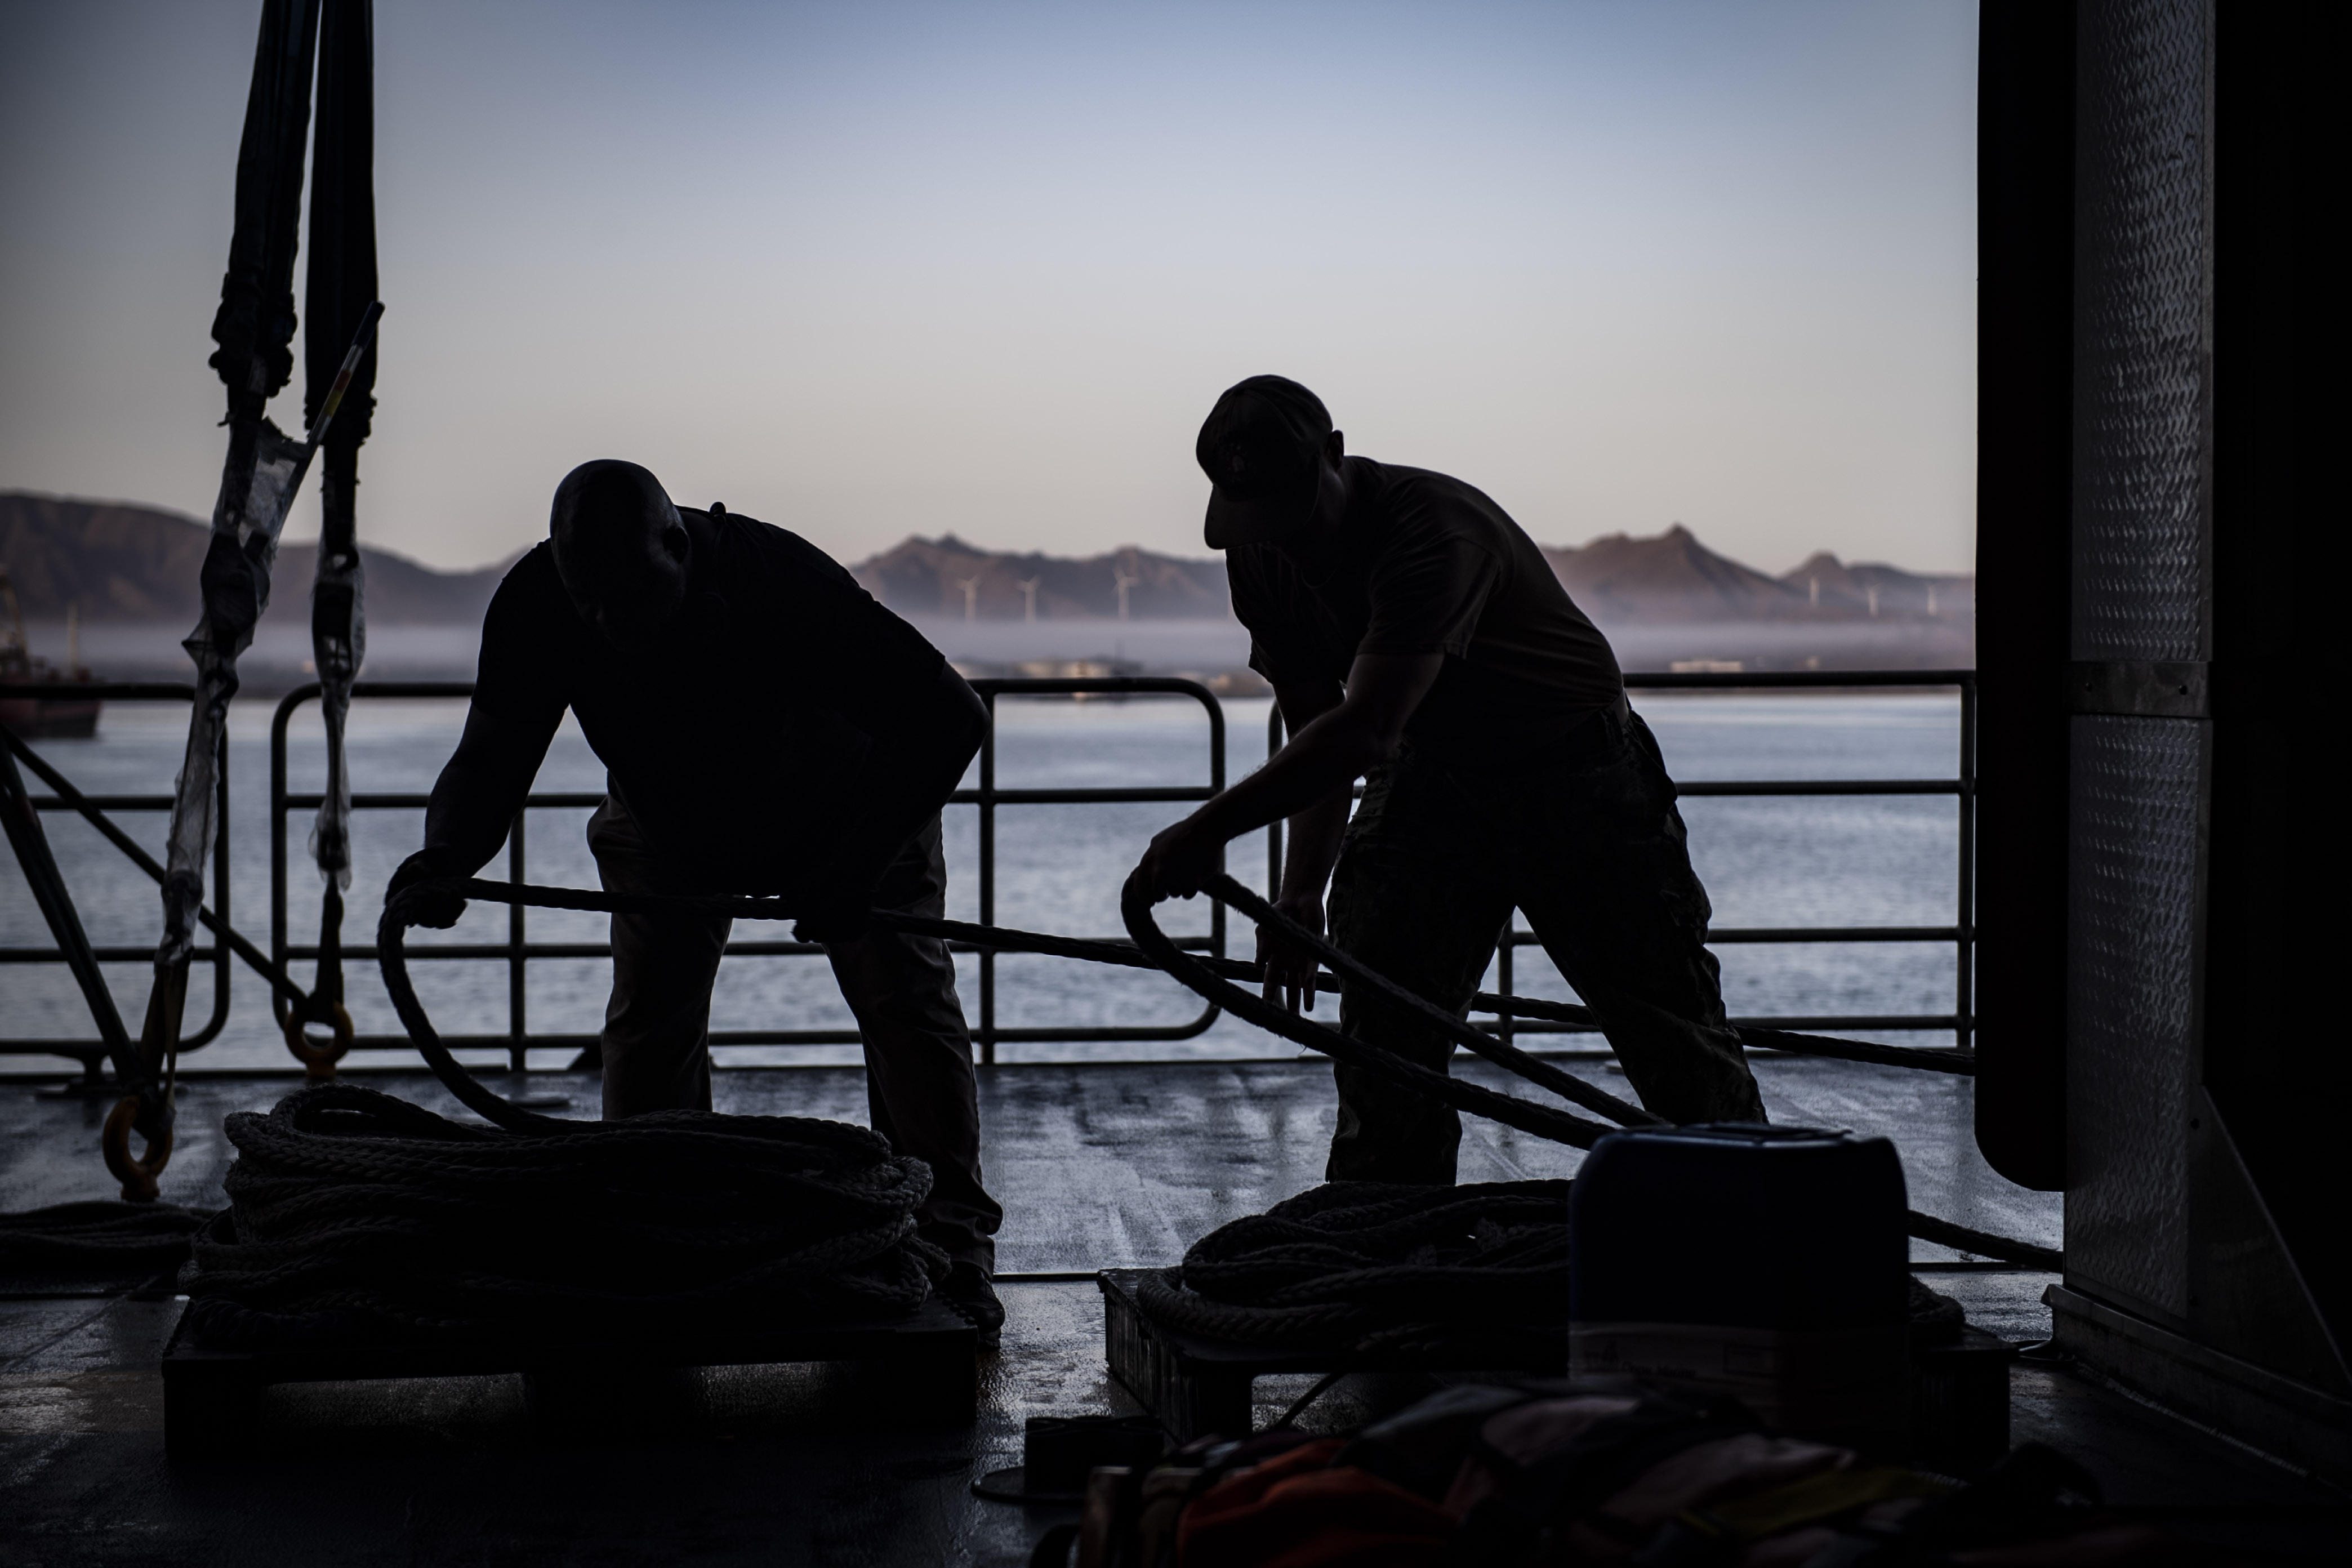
{"x":1197,"y":1385}
{"x":1960,"y":1392}
{"x":212,"y":1398}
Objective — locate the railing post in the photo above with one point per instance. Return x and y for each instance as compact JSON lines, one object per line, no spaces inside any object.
{"x":988,"y":882}
{"x":1964,"y":1006}
{"x":1503,"y":1026}
{"x":1216,"y":711}
{"x":517,"y":1022}
{"x":221,"y":969}
{"x":1274,"y":828}
{"x":278,"y":941}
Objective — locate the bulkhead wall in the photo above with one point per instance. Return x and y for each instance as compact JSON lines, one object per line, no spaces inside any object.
{"x":2180,"y":1275}
{"x":2141,"y":544}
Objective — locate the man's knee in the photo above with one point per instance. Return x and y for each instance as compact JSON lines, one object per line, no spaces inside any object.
{"x":900,"y":984}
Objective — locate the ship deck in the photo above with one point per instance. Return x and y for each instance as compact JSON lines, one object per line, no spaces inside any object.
{"x":1099,"y":1166}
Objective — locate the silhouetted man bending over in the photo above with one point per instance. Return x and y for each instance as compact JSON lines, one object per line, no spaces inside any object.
{"x":1415,"y":636}
{"x":767,"y":727}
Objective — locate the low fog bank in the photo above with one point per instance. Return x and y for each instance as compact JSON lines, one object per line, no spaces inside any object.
{"x":1151,"y":648}
{"x":278,"y":661}
{"x":1777,"y":644}
{"x":279,"y":658}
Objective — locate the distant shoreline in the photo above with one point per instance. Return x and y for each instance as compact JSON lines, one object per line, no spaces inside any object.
{"x":1204,"y":649}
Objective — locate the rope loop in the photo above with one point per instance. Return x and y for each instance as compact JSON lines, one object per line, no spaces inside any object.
{"x":319,"y":1057}
{"x":140,"y":1176}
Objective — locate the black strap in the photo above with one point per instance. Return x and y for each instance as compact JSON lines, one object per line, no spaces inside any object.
{"x":254,"y":324}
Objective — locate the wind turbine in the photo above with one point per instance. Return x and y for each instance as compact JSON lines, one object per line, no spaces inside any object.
{"x":971,"y":596}
{"x":1124,"y":582}
{"x":1028,"y":586}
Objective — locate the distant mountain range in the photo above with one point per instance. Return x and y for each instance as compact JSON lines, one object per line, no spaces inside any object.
{"x":118,"y":561}
{"x":1673,"y":579}
{"x":1664,"y":599}
{"x":945,"y":576}
{"x":1670,"y":579}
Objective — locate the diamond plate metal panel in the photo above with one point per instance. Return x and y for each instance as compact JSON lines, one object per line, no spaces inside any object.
{"x":2144,"y":325}
{"x":2135,"y":879}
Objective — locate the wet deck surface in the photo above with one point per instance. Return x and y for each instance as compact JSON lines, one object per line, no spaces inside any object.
{"x":1099,"y":1166}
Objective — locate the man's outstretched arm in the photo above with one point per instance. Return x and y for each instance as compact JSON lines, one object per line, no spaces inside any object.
{"x":513,"y":719}
{"x":1328,"y":755}
{"x":474,"y":803}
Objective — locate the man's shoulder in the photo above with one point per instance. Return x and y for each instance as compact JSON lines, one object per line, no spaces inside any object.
{"x":1427,"y":491}
{"x":533,"y":567}
{"x":530,"y":585}
{"x":774,"y":578}
{"x":530,"y":632}
{"x":784,"y":557}
{"x":1421,"y":506}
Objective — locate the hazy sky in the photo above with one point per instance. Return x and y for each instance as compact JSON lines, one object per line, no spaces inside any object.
{"x":872,"y":268}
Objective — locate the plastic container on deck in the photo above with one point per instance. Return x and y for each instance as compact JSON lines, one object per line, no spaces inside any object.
{"x":1768,"y":1263}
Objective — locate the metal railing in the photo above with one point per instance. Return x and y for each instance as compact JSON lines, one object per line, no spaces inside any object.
{"x":1960,"y":933}
{"x":87,"y":1049}
{"x":518,"y":950}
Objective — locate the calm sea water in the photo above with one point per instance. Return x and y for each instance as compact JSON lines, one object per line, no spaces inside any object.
{"x":1766,"y":862}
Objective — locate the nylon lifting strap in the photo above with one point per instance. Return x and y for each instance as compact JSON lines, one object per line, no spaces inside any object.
{"x":1210,"y":977}
{"x":339,"y":303}
{"x":254,"y":329}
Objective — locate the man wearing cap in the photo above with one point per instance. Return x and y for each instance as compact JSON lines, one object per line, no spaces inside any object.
{"x":767,"y":727}
{"x":1416,"y":637}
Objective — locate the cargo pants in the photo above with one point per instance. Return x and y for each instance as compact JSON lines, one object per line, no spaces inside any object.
{"x":920,"y":1091}
{"x":1586,"y":840}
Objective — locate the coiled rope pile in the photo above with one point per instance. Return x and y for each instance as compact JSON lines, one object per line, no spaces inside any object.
{"x":358,"y":1218}
{"x":1366,"y":1266}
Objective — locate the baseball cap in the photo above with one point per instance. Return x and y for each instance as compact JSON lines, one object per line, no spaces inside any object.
{"x":1262,"y":447}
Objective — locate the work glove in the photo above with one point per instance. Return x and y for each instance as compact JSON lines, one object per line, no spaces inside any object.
{"x":440,"y":908}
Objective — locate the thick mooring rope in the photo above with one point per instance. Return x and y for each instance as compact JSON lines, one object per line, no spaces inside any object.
{"x":1152,"y":949}
{"x":1542,"y":1120}
{"x":1135,"y":907}
{"x":102,"y":1233}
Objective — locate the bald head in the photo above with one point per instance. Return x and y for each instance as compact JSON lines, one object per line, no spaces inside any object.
{"x":621,"y":549}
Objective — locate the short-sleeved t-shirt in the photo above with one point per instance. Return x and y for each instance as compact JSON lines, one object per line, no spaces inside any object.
{"x":1429,"y":564}
{"x":730,"y":746}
